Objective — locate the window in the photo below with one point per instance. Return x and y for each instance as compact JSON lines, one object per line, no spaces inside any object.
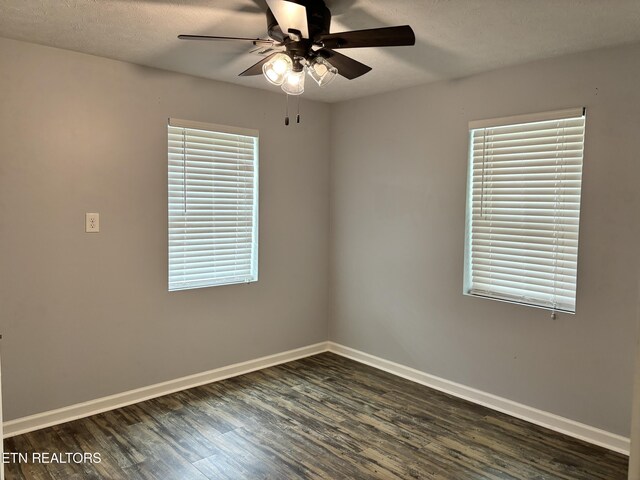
{"x":213,"y":205}
{"x":523,"y":209}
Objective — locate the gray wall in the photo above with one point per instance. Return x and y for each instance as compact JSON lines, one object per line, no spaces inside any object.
{"x":399,"y":169}
{"x":88,"y":315}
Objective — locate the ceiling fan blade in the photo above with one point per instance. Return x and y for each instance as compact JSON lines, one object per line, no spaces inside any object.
{"x":256,"y":69}
{"x":347,"y":67}
{"x":375,"y":37}
{"x":256,"y":41}
{"x":290,"y":16}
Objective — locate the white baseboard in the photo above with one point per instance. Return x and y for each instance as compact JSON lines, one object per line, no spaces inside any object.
{"x":563,"y":425}
{"x":92,"y":407}
{"x":554,"y":422}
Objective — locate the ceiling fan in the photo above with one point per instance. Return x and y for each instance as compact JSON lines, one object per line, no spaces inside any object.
{"x":300,"y":41}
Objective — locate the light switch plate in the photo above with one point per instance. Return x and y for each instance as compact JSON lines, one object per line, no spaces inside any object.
{"x":92,"y":222}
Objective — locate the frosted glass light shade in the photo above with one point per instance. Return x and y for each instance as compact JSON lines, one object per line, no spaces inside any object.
{"x":322,"y":71}
{"x":294,"y":83}
{"x":276,"y":69}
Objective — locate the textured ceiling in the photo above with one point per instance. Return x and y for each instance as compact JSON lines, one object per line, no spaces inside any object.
{"x":454,"y":38}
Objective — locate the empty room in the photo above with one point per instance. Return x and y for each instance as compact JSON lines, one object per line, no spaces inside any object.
{"x":307,"y":239}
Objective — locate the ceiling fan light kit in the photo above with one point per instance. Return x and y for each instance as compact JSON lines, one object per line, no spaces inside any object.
{"x":322,"y":71}
{"x":300,"y":41}
{"x":281,"y":70}
{"x":277,"y":69}
{"x":294,"y":83}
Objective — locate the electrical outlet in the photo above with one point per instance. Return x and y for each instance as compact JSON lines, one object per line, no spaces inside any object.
{"x":92,"y":222}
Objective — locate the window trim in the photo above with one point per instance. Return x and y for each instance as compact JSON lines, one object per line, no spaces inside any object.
{"x":528,"y":118}
{"x":232,"y":130}
{"x":506,"y":122}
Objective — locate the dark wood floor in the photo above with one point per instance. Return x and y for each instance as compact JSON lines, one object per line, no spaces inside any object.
{"x":321,"y":417}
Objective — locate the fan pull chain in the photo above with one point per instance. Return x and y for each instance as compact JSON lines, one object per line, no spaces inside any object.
{"x":286,"y":116}
{"x":298,"y":115}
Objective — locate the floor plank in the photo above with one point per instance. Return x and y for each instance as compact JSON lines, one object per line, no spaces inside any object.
{"x":322,"y":417}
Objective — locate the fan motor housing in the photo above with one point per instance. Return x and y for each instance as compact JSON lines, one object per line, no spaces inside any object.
{"x":318,"y":20}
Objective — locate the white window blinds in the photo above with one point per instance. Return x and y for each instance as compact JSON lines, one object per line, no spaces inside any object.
{"x":523,"y":209}
{"x":213,"y":205}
